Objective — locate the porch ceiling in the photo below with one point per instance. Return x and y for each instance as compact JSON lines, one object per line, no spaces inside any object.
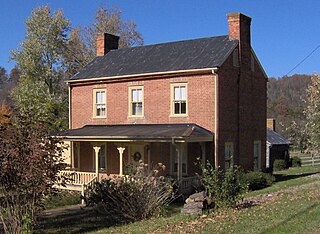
{"x":139,"y":132}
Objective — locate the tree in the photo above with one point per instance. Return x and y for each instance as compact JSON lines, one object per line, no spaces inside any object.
{"x":30,"y":162}
{"x":82,"y":41}
{"x":312,"y":112}
{"x":40,"y":59}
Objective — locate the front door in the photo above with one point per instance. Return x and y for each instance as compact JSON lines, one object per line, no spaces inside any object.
{"x":136,"y":153}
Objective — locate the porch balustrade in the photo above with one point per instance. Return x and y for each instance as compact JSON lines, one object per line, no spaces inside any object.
{"x":188,"y":183}
{"x":77,"y":177}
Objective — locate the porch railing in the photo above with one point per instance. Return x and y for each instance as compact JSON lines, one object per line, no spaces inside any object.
{"x":189,"y":183}
{"x":77,"y":177}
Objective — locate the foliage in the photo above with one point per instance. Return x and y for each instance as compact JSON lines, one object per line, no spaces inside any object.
{"x":109,"y":20}
{"x":286,"y":104}
{"x":5,"y":115}
{"x":82,"y":41}
{"x":60,"y":198}
{"x":257,"y":180}
{"x":279,"y":164}
{"x":133,"y":197}
{"x":312,"y":112}
{"x":40,"y":59}
{"x":33,"y":100}
{"x":7,"y":82}
{"x":30,"y":161}
{"x":224,"y":188}
{"x":295,"y":161}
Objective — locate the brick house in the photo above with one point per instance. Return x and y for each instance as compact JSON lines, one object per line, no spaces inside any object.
{"x":170,"y":103}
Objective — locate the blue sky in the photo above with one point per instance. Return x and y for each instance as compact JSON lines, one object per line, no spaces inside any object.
{"x":283,"y":32}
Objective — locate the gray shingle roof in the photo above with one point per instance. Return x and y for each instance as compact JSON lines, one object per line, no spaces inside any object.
{"x":173,"y":56}
{"x":275,"y":138}
{"x":138,"y":132}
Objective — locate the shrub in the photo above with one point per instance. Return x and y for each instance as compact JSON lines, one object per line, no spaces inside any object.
{"x":257,"y":180}
{"x":295,"y":161}
{"x":61,"y":198}
{"x":224,"y":188}
{"x":132,"y":197}
{"x":279,"y":165}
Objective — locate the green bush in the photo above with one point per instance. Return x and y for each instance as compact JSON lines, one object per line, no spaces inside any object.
{"x":132,"y":197}
{"x":295,"y":161}
{"x":224,"y":188}
{"x":279,"y":165}
{"x":61,"y":198}
{"x":257,"y":180}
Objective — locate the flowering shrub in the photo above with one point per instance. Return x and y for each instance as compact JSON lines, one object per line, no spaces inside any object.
{"x":132,"y":197}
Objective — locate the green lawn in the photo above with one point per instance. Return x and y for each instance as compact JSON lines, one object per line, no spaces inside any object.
{"x":290,"y":205}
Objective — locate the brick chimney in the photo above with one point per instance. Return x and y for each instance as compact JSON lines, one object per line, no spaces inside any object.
{"x":239,"y":28}
{"x":106,"y":42}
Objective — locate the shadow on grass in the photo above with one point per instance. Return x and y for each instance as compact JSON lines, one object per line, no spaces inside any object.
{"x":284,"y":177}
{"x":76,"y":221}
{"x":85,"y":220}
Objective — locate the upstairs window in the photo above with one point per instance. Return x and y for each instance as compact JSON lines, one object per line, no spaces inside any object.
{"x":99,"y":98}
{"x":136,"y":101}
{"x":179,"y":99}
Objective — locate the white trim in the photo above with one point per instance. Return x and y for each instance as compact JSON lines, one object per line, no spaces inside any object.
{"x":215,"y":120}
{"x":172,"y":110}
{"x":213,"y":69}
{"x":69,"y":104}
{"x":94,"y":103}
{"x":130,"y":88}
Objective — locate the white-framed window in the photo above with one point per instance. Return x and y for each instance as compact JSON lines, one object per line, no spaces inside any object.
{"x":228,"y":154}
{"x":179,"y":102}
{"x":136,"y":101}
{"x":257,"y":155}
{"x":99,"y":103}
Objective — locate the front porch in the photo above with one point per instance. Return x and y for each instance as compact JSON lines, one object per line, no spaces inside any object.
{"x":94,"y":158}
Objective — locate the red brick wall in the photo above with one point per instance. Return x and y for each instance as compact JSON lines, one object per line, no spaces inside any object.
{"x":86,"y":156}
{"x":156,"y":102}
{"x":242,"y":111}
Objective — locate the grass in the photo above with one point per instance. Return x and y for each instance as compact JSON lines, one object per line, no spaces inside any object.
{"x":290,"y":205}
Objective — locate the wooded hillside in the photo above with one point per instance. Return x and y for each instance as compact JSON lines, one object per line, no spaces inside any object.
{"x":286,"y":97}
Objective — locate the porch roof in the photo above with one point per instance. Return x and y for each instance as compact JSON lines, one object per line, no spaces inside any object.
{"x":139,"y":132}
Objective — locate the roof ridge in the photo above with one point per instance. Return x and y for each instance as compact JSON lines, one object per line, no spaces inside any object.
{"x":165,"y":43}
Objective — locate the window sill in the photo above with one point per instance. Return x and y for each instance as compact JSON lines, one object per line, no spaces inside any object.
{"x":178,"y":116}
{"x":99,"y":117}
{"x":136,"y":117}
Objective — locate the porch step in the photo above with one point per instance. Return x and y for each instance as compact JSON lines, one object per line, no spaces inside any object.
{"x":71,"y":187}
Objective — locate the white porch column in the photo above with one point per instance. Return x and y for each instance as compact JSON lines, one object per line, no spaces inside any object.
{"x":96,"y":151}
{"x":121,"y":150}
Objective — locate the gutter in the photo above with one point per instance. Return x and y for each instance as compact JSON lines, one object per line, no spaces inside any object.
{"x":201,"y":70}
